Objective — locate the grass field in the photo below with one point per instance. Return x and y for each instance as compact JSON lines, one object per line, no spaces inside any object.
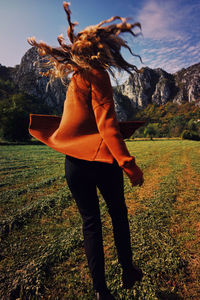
{"x":42,"y":255}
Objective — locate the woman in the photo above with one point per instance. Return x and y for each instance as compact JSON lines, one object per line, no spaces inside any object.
{"x":89,"y":135}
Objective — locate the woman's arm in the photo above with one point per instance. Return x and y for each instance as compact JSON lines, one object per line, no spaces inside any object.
{"x":104,"y":111}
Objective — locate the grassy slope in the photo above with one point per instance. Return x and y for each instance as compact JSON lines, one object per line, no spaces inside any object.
{"x":42,"y":255}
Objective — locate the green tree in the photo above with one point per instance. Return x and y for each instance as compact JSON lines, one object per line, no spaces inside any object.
{"x":190,"y":135}
{"x":177,"y":124}
{"x":151,"y":131}
{"x":14,"y":116}
{"x":192,"y":125}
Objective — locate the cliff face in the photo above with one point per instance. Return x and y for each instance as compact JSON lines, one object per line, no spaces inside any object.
{"x":158,"y":86}
{"x":149,"y":86}
{"x":28,"y":79}
{"x":188,"y":84}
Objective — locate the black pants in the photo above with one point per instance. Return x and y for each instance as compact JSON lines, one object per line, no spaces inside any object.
{"x":83,"y":178}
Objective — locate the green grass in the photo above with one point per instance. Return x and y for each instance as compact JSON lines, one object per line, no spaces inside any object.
{"x":42,"y":255}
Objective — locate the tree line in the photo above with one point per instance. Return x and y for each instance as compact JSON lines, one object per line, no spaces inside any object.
{"x":169,"y":120}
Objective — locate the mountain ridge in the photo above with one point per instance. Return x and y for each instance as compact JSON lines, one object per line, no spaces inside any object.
{"x":156,"y":86}
{"x":150,"y":86}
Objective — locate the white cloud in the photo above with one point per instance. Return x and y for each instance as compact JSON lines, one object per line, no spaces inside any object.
{"x":170,"y":34}
{"x":166,"y":50}
{"x":159,"y":20}
{"x":171,"y":61}
{"x":191,"y":48}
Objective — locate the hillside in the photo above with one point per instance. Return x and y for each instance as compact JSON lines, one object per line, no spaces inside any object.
{"x":169,"y":120}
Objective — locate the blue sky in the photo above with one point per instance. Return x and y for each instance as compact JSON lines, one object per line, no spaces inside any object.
{"x":171,"y":28}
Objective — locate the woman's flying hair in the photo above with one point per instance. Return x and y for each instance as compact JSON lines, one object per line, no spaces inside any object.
{"x":97,"y":46}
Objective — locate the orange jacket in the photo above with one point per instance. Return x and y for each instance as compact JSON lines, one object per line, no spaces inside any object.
{"x":88,"y":128}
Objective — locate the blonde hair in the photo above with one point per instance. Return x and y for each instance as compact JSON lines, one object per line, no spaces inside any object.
{"x":96,"y":46}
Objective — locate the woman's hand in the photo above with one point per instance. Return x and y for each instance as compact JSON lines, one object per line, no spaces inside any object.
{"x":134,"y":173}
{"x":137,"y":176}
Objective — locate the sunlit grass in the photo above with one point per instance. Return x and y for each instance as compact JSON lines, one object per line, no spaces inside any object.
{"x":42,"y":247}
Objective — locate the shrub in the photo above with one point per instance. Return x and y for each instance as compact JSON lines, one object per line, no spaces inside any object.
{"x":190,"y":135}
{"x":151,"y":130}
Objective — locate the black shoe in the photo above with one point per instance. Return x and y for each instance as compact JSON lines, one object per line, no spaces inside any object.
{"x":130,"y":275}
{"x":105,"y":296}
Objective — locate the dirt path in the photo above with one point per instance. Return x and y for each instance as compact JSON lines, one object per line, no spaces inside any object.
{"x":186,"y":226}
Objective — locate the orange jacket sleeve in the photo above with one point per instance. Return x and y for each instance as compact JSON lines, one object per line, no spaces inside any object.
{"x":104,"y":111}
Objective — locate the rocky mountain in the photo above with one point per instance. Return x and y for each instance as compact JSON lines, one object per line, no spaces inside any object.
{"x":149,"y":86}
{"x":159,"y":87}
{"x":188,"y":83}
{"x":27,"y":76}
